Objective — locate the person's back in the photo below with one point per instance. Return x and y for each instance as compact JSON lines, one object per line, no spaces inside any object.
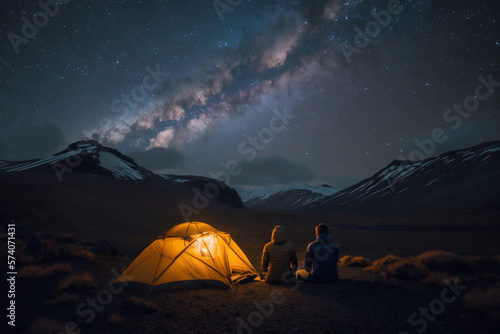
{"x":325,"y":253}
{"x":321,"y":258}
{"x":279,"y":258}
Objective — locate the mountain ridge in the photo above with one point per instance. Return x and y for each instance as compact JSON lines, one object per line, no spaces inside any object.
{"x":89,"y":157}
{"x":469,"y":175}
{"x":448,"y":174}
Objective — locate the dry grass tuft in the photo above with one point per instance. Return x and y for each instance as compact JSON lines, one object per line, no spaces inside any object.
{"x":55,"y":250}
{"x":407,"y":269}
{"x":481,"y":279}
{"x":483,"y":299}
{"x":34,"y":271}
{"x":44,"y":326}
{"x":399,"y":267}
{"x":381,"y":264}
{"x":115,"y":319}
{"x":433,"y":266}
{"x":62,"y":299}
{"x":448,"y":261}
{"x":354,"y":261}
{"x":438,"y":278}
{"x":77,"y":282}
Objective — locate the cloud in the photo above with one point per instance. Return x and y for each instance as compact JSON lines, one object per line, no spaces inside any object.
{"x":158,"y":158}
{"x":271,"y":171}
{"x":32,"y":142}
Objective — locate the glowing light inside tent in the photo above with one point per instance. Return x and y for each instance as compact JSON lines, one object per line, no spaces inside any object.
{"x":205,"y":244}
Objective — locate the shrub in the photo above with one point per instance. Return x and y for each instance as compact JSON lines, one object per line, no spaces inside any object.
{"x":353,"y":261}
{"x":34,"y":271}
{"x":77,"y":282}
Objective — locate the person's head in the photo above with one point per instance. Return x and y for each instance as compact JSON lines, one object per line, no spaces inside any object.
{"x":321,"y":229}
{"x":278,"y":236}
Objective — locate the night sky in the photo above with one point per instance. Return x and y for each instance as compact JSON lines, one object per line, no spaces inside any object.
{"x":185,"y":88}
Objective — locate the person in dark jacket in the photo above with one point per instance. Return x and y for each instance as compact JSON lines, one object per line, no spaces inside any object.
{"x":321,"y":258}
{"x":279,"y":258}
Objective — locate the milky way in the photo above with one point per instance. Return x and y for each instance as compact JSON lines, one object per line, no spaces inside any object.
{"x":313,"y":91}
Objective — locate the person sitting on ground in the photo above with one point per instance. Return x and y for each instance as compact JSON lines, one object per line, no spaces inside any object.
{"x":279,"y":258}
{"x":321,"y":258}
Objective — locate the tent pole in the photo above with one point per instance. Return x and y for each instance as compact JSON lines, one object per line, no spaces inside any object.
{"x":175,"y":259}
{"x":230,"y":283}
{"x":238,"y":255}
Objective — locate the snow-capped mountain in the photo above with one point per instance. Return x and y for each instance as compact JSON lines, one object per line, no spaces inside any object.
{"x":289,"y":197}
{"x":463,"y":177}
{"x":467,"y":179}
{"x":85,"y":156}
{"x":226,"y":194}
{"x":92,"y":158}
{"x":247,"y":194}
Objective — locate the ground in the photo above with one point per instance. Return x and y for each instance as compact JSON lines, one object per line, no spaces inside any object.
{"x":360,"y":302}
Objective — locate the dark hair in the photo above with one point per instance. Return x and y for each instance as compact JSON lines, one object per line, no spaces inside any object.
{"x":321,"y":229}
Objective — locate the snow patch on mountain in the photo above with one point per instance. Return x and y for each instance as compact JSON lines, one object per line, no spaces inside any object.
{"x":73,"y":157}
{"x":247,"y":194}
{"x":294,"y":195}
{"x":60,"y":158}
{"x":119,"y":167}
{"x":323,"y":189}
{"x":404,"y":184}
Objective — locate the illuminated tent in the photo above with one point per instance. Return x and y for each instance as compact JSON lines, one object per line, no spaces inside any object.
{"x":190,"y":255}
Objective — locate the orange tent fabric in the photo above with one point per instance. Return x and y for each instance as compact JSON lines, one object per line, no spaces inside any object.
{"x":190,"y":255}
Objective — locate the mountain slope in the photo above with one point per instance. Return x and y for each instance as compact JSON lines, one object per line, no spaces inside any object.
{"x":84,"y":157}
{"x":289,"y":197}
{"x":225,"y":194}
{"x":92,"y":160}
{"x":463,"y":177}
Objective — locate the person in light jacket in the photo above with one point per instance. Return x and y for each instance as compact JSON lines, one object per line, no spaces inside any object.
{"x":321,"y":259}
{"x":279,"y":258}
